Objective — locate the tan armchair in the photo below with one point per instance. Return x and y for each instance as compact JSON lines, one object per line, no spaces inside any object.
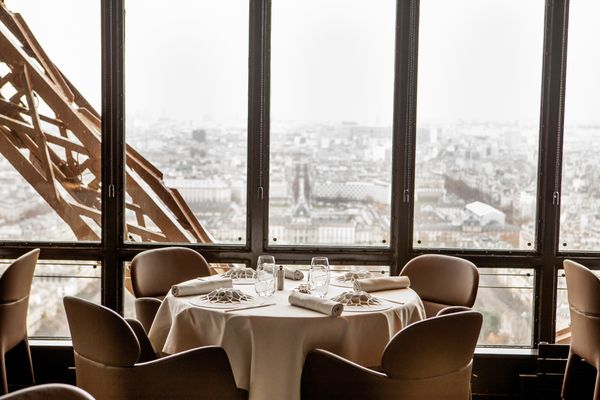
{"x":430,"y":359}
{"x":15,"y":285}
{"x":583,"y":291}
{"x":442,"y":281}
{"x":50,"y":391}
{"x":153,"y":272}
{"x":111,"y":362}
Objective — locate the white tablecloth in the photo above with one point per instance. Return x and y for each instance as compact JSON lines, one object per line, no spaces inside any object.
{"x":267,"y":346}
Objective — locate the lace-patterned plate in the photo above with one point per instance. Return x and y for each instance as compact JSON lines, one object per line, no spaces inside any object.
{"x":359,"y":301}
{"x":240,"y":275}
{"x":225,"y":298}
{"x":347,"y":279}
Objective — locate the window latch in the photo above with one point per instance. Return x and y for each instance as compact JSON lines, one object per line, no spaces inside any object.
{"x":406,"y":196}
{"x":555,"y":198}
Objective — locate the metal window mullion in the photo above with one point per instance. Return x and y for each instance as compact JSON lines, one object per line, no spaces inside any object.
{"x":405,"y":83}
{"x":258,"y":127}
{"x":551,"y":135}
{"x":112,"y":152}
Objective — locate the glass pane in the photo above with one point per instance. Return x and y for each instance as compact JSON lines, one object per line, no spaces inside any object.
{"x":563,"y":316}
{"x":506,"y":299}
{"x":186,"y":87}
{"x":52,"y":281}
{"x":479,"y":84}
{"x":50,"y":134}
{"x":580,"y":201}
{"x":332,"y":81}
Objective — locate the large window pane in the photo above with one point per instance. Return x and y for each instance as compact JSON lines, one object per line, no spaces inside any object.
{"x":580,"y":200}
{"x":480,"y":64}
{"x":505,"y":298}
{"x":49,"y":121}
{"x":186,"y":98}
{"x":332,"y":79}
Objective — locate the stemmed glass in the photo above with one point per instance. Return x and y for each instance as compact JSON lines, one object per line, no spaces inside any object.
{"x":318,"y":276}
{"x":264,"y":283}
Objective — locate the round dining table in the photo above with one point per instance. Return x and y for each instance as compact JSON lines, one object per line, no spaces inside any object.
{"x":267,"y":345}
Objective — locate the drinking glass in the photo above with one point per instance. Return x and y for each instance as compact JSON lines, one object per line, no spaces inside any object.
{"x":318,"y":276}
{"x":264,"y":283}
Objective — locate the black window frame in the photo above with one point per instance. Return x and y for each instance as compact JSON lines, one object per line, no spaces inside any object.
{"x":113,"y":251}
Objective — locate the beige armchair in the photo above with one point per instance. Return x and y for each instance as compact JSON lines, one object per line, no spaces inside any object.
{"x":430,"y":359}
{"x":15,"y":285}
{"x":50,"y":391}
{"x":112,"y":362}
{"x":583,"y":291}
{"x":442,"y":281}
{"x":153,"y":272}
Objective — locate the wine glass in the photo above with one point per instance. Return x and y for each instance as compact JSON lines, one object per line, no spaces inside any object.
{"x":264,"y":283}
{"x":318,"y":276}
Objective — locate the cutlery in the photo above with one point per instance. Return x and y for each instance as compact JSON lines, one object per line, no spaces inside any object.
{"x":249,"y":307}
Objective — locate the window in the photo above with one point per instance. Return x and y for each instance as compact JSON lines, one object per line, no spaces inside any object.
{"x":49,"y":123}
{"x":580,"y":199}
{"x":329,"y":100}
{"x":505,"y":298}
{"x":332,"y":80}
{"x":186,"y":86}
{"x":478,"y":102}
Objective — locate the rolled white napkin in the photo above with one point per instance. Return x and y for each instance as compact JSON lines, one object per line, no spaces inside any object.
{"x":383,"y":283}
{"x":197,"y":286}
{"x":292,"y":274}
{"x":318,"y":304}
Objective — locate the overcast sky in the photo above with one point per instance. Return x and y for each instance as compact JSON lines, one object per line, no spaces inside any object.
{"x":332,"y":60}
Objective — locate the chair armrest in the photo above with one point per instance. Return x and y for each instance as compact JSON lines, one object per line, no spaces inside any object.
{"x":146,"y":350}
{"x":198,"y":373}
{"x":327,"y":375}
{"x":146,"y":309}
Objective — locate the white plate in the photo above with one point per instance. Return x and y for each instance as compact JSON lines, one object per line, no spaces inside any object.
{"x":377,"y":307}
{"x":225,"y":306}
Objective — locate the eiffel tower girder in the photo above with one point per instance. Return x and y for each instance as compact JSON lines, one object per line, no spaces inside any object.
{"x":52,"y":136}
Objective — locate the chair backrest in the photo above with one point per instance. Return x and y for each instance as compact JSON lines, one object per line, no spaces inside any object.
{"x":100,"y":334}
{"x":15,"y":282}
{"x":583,"y":292}
{"x":49,"y":391}
{"x":583,"y":288}
{"x":433,"y":347}
{"x":153,"y":272}
{"x":442,"y":281}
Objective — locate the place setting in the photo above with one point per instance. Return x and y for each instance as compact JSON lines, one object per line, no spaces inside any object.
{"x":347,"y":279}
{"x":240,"y":275}
{"x":312,"y":294}
{"x":216,"y":293}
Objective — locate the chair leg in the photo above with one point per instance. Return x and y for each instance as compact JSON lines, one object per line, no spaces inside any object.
{"x":27,"y":350}
{"x":597,"y":387}
{"x":3,"y":372}
{"x":569,"y":374}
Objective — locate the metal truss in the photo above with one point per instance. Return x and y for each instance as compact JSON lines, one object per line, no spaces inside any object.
{"x":52,"y":137}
